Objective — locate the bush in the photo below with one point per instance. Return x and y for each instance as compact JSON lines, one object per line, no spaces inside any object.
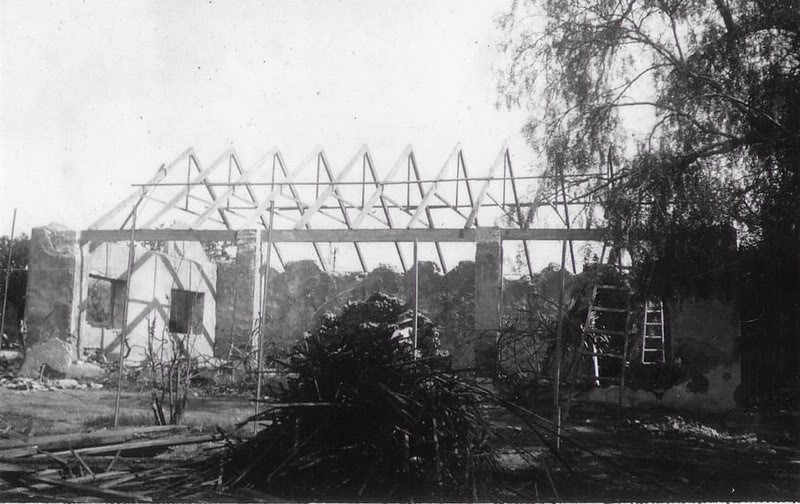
{"x":361,"y":418}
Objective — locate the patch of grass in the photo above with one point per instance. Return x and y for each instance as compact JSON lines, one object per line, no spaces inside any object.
{"x":199,"y":423}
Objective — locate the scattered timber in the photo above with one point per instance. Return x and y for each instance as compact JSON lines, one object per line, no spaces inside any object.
{"x":104,"y":464}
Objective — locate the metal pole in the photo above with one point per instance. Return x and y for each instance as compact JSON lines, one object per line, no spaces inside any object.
{"x":263,"y":328}
{"x":416,"y":294}
{"x":131,"y":254}
{"x":559,"y":329}
{"x":8,"y":272}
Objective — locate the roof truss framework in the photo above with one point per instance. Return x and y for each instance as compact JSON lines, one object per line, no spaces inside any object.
{"x":344,"y":206}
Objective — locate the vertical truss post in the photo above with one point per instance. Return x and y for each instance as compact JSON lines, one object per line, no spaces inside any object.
{"x":188,"y":179}
{"x":426,"y":197}
{"x":519,"y":214}
{"x":466,"y":181}
{"x":326,"y":165}
{"x":211,"y":191}
{"x":378,"y":194}
{"x":477,"y":203}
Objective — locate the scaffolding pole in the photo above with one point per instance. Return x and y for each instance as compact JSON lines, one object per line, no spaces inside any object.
{"x":559,"y":329}
{"x":129,"y":273}
{"x":263,"y":329}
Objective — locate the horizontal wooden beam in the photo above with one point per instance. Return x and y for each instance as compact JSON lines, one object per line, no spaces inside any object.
{"x":342,"y":235}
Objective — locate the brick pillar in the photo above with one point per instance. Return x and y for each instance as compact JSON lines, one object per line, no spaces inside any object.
{"x":488,"y":298}
{"x":238,"y":296}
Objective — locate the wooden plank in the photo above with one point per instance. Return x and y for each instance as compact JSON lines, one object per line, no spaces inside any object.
{"x":81,"y":439}
{"x":110,"y":495}
{"x":346,"y":235}
{"x":22,"y":451}
{"x":139,"y":445}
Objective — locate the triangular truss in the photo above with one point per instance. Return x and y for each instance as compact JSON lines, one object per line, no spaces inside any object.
{"x":230,"y":195}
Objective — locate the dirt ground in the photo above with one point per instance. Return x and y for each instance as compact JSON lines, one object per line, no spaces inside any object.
{"x":663,"y":455}
{"x":646,"y":455}
{"x":62,"y":411}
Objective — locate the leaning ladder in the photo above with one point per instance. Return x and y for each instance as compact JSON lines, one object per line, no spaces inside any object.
{"x":591,"y":334}
{"x":653,"y":333}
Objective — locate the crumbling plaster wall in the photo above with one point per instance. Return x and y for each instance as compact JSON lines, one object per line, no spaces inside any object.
{"x":705,"y":334}
{"x":155,"y":274}
{"x":58,"y":331}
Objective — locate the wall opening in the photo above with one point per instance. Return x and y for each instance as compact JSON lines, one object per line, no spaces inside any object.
{"x":186,"y":312}
{"x":105,"y":302}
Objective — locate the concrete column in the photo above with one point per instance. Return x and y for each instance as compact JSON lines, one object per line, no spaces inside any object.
{"x":238,"y":296}
{"x":488,"y":298}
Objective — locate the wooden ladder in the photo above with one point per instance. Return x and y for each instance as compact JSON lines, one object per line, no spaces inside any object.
{"x":653,"y":333}
{"x":594,"y":337}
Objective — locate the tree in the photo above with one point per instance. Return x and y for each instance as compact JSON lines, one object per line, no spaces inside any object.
{"x":710,"y":89}
{"x":696,"y":106}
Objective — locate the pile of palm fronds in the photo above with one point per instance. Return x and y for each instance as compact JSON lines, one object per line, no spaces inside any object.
{"x":362,"y":417}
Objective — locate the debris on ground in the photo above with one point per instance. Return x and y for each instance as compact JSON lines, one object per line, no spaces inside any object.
{"x":33,"y":385}
{"x":114,"y":465}
{"x":694,"y":429}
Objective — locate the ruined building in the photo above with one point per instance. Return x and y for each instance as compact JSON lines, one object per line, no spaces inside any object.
{"x":178,"y":299}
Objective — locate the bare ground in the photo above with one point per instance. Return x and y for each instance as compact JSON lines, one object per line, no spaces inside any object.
{"x":646,"y":455}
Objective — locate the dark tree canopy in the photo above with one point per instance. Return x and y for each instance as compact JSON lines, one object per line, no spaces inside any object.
{"x":695,"y":102}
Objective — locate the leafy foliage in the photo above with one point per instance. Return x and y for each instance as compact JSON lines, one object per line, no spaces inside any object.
{"x":696,"y":103}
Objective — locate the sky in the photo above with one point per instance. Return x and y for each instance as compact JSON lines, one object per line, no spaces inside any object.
{"x":96,"y":95}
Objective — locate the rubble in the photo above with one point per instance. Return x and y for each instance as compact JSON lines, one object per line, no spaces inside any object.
{"x":105,"y":464}
{"x":694,"y":429}
{"x":32,"y":385}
